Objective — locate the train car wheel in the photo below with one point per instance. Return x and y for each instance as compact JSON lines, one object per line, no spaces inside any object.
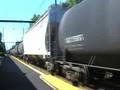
{"x":75,"y":78}
{"x":50,"y":67}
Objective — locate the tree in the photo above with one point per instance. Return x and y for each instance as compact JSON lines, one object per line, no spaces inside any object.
{"x":73,"y":2}
{"x":34,"y":18}
{"x":65,"y":5}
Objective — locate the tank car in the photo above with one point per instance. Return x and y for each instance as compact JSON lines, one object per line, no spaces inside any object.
{"x":89,"y":36}
{"x":20,"y":49}
{"x":17,"y":49}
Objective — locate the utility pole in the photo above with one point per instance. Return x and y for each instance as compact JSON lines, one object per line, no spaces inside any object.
{"x":55,"y":2}
{"x":23,"y":31}
{"x":3,"y":36}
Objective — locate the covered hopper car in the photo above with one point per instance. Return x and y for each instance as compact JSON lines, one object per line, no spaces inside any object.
{"x":41,"y":40}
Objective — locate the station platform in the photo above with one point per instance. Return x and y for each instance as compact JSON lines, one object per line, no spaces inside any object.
{"x":53,"y":81}
{"x":16,"y":76}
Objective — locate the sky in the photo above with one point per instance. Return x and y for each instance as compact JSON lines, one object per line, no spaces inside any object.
{"x":19,"y":10}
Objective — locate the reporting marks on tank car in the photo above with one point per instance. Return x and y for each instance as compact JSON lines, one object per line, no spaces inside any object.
{"x":76,"y":38}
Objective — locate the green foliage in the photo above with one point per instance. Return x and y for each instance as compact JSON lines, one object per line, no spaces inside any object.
{"x":2,"y":49}
{"x":73,"y":2}
{"x":65,"y":5}
{"x":34,"y":18}
{"x":2,"y":53}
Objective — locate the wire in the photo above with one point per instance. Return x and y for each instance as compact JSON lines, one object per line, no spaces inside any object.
{"x":41,"y":4}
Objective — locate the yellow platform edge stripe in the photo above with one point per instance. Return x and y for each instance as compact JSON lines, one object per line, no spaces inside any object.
{"x":52,"y":81}
{"x":35,"y":70}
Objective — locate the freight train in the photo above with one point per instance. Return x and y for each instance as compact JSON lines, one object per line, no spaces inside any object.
{"x":82,"y":45}
{"x":17,"y":49}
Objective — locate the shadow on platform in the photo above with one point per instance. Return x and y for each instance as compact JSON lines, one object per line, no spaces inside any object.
{"x":12,"y":78}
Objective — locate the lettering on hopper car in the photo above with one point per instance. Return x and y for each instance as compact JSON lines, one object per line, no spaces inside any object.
{"x":76,"y":38}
